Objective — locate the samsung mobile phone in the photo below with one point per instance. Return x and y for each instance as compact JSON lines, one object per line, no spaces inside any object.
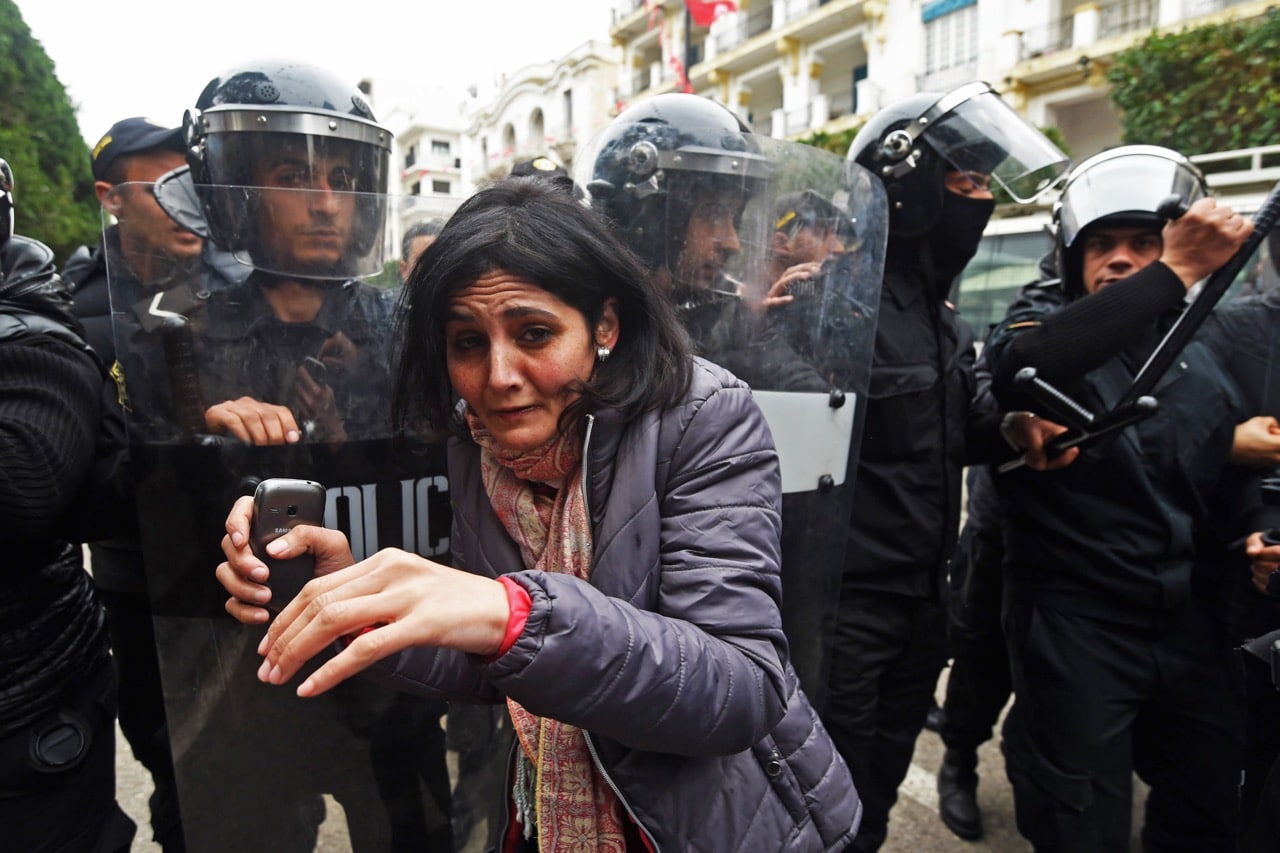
{"x":279,"y":505}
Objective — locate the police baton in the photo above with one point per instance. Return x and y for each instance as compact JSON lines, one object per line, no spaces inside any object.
{"x":1136,"y":403}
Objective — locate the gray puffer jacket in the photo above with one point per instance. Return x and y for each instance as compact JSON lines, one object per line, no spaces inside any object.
{"x":672,"y":658}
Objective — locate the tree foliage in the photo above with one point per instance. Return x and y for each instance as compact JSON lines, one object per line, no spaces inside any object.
{"x":836,"y":143}
{"x":53,"y":185}
{"x":1211,"y":88}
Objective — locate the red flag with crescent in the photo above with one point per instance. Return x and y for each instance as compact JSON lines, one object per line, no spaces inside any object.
{"x":703,"y":12}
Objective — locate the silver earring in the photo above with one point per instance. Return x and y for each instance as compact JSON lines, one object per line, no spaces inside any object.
{"x":602,"y":354}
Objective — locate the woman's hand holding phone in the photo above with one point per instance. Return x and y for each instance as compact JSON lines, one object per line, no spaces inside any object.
{"x":268,"y":562}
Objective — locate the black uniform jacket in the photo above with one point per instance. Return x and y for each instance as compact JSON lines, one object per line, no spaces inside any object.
{"x":1111,"y":535}
{"x":906,"y":501}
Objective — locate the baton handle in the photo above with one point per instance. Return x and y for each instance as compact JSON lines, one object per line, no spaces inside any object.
{"x":1065,"y":409}
{"x":184,"y":379}
{"x":1077,"y":436}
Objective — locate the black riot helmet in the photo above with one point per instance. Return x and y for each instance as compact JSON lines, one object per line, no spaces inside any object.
{"x":912,"y":144}
{"x":656,"y":157}
{"x":6,"y":202}
{"x":1121,"y":187}
{"x":262,"y":112}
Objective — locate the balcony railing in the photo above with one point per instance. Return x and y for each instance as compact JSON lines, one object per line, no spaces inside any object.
{"x":1051,"y":38}
{"x":1113,"y":19}
{"x":843,"y":104}
{"x":795,"y":9}
{"x":1126,"y":17}
{"x":747,"y":26}
{"x":1208,"y":7}
{"x":799,"y":120}
{"x":433,"y":163}
{"x":623,"y":9}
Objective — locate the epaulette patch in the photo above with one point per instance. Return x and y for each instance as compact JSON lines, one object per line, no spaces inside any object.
{"x":122,"y":393}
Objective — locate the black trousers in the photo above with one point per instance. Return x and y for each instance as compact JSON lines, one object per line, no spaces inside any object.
{"x":141,"y":707}
{"x":1253,"y":614}
{"x":979,"y":683}
{"x":58,"y":776}
{"x":889,"y":650}
{"x":1095,"y":702}
{"x":1260,"y":793}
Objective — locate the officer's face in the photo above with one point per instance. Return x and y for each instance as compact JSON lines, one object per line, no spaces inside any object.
{"x":711,"y":240}
{"x":1112,"y":254}
{"x":970,"y":184}
{"x":147,"y":235}
{"x":417,"y":246}
{"x":307,"y":208}
{"x":815,"y":243}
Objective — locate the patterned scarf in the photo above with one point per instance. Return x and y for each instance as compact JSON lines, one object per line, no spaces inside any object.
{"x":539,"y":498}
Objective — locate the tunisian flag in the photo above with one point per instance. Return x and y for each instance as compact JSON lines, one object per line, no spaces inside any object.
{"x":704,"y":12}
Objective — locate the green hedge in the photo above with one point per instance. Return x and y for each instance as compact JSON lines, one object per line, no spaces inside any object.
{"x":1212,"y":88}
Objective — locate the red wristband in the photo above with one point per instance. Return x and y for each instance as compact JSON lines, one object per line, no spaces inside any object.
{"x":520,"y":603}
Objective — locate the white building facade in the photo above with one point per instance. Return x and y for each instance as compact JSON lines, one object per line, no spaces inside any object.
{"x":547,"y":109}
{"x":427,"y":179}
{"x":793,"y":67}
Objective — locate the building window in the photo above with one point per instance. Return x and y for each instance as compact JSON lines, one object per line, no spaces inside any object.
{"x":566,"y":99}
{"x":950,"y":34}
{"x":440,"y":187}
{"x":410,"y":156}
{"x":440,"y":146}
{"x":416,"y":189}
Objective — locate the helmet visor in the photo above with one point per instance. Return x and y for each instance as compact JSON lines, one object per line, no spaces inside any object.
{"x":1131,"y":181}
{"x":299,"y":205}
{"x":771,"y":251}
{"x":984,"y":135}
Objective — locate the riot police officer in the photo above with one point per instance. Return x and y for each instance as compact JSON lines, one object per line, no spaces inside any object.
{"x":290,"y":167}
{"x":285,"y":374}
{"x":938,"y":156}
{"x":1116,"y":663}
{"x":675,"y":174}
{"x":694,"y":193}
{"x":149,"y":254}
{"x":57,"y":684}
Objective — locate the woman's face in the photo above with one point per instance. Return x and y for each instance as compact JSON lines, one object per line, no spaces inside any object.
{"x":515,"y":352}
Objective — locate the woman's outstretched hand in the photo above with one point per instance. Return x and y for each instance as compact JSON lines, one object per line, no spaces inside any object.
{"x":380,"y":606}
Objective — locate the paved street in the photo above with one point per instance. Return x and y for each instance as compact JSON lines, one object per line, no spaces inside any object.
{"x":914,"y":824}
{"x":914,"y":828}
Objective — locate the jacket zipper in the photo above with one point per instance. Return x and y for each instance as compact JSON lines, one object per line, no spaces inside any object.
{"x":586,"y":444}
{"x":595,"y":758}
{"x":591,"y":747}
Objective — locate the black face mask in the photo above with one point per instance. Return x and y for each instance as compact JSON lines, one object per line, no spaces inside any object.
{"x":954,"y":239}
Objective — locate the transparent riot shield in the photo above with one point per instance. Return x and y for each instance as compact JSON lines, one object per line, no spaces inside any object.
{"x":772,"y":253}
{"x":363,"y":768}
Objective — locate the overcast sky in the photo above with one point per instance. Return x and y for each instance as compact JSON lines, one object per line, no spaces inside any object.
{"x":119,"y":58}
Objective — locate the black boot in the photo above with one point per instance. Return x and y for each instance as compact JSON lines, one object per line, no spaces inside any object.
{"x":957,"y":793}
